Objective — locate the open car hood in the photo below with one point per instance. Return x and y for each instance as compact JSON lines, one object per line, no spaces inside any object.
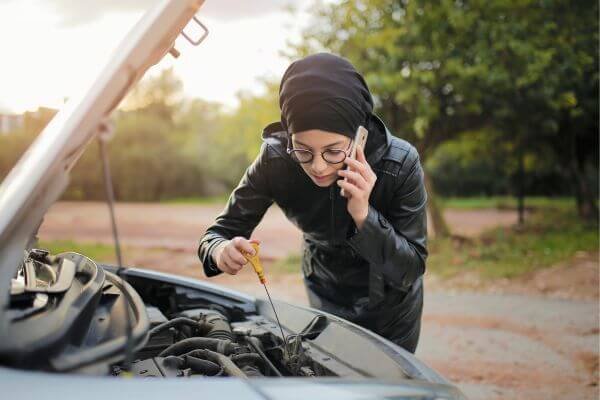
{"x":42,"y":173}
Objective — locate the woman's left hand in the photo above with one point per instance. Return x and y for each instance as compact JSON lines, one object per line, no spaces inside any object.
{"x":358,"y":186}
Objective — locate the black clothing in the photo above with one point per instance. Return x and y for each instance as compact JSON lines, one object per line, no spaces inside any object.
{"x":324,"y":91}
{"x":398,"y":319}
{"x":372,"y":277}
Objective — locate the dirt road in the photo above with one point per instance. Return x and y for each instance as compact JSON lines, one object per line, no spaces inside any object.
{"x":495,"y":344}
{"x":511,"y":346}
{"x":152,"y":225}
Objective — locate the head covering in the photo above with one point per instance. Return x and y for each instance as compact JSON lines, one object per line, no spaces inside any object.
{"x":324,"y":91}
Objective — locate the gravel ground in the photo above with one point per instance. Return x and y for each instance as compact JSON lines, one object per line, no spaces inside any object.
{"x":513,"y":346}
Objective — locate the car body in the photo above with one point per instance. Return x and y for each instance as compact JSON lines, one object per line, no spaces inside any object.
{"x":71,"y":327}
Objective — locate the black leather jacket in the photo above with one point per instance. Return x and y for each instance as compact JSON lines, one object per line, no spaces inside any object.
{"x":363,"y":271}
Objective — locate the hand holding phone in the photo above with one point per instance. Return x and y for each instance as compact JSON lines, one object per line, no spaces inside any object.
{"x":360,"y":139}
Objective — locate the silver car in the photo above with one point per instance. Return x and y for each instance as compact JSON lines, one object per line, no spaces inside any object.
{"x":72,"y":328}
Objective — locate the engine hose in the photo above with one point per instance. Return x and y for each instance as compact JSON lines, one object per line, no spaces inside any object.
{"x":251,"y":363}
{"x":228,"y":366}
{"x":251,"y":358}
{"x":204,"y":367}
{"x":217,"y":327}
{"x":251,"y":370}
{"x":189,"y":344}
{"x":255,"y":343}
{"x":177,"y":322}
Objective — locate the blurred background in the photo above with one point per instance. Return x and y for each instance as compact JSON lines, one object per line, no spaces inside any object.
{"x":500,"y":97}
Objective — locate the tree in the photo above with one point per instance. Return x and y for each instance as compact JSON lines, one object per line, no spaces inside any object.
{"x":527,"y":68}
{"x":238,"y":139}
{"x":160,"y":95}
{"x":157,"y":152}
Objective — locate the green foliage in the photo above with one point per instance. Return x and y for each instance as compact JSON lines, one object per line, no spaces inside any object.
{"x":475,"y":85}
{"x":96,"y":251}
{"x":165,"y":146}
{"x":160,"y":96}
{"x":508,"y":203}
{"x":150,"y":158}
{"x":477,"y":163}
{"x":12,"y":146}
{"x":238,"y":139}
{"x":549,"y":237}
{"x":528,"y":69}
{"x":466,"y":166}
{"x":292,"y":263}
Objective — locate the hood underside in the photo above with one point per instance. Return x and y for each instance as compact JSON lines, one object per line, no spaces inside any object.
{"x":42,"y":173}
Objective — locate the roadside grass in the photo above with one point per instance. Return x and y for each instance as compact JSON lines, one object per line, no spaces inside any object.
{"x":462,"y":203}
{"x":96,"y":251}
{"x":549,"y":236}
{"x":288,"y":265}
{"x":507,"y":203}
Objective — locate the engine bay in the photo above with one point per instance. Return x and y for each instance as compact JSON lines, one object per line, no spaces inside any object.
{"x":223,"y":340}
{"x":68,"y":314}
{"x":203,"y":342}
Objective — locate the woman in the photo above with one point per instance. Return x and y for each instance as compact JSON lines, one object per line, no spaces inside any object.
{"x":364,"y":252}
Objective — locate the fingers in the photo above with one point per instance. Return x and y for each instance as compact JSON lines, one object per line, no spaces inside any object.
{"x":231,"y":258}
{"x":371,"y":175}
{"x":237,"y":257}
{"x":355,"y":177}
{"x":242,"y":244}
{"x":355,"y":164}
{"x":231,"y":262}
{"x":360,"y":164}
{"x":350,"y":190}
{"x":228,"y":265}
{"x":359,"y":178}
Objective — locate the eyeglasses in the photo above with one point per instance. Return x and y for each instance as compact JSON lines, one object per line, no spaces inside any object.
{"x":331,"y":156}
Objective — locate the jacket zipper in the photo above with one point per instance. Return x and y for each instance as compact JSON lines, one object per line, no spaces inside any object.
{"x":332,"y":219}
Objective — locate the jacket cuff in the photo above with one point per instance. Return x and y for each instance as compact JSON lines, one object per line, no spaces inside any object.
{"x":361,"y":239}
{"x":210,"y":268}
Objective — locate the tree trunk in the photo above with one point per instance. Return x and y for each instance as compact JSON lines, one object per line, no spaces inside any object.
{"x":521,"y":188}
{"x":438,"y":222}
{"x":586,"y":202}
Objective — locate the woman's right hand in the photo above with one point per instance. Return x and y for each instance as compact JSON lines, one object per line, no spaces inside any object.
{"x":228,"y":255}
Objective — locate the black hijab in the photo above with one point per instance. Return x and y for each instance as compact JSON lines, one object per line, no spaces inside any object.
{"x":324,"y":91}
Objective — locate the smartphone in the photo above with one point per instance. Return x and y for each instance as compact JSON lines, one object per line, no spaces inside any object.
{"x":360,"y":138}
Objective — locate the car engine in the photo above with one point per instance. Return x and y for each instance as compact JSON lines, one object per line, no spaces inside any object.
{"x":203,"y":342}
{"x":68,"y":314}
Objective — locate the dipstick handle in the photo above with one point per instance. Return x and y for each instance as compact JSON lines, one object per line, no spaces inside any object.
{"x":255,"y":261}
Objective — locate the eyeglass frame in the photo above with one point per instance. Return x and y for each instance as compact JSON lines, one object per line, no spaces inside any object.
{"x":290,"y":149}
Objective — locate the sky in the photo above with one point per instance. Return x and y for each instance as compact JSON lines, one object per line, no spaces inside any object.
{"x":51,"y":47}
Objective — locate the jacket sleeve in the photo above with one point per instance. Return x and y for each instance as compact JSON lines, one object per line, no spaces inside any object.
{"x":398,"y":243}
{"x":246,"y":206}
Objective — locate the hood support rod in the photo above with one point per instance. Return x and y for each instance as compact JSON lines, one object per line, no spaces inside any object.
{"x":105,"y":131}
{"x":103,"y":137}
